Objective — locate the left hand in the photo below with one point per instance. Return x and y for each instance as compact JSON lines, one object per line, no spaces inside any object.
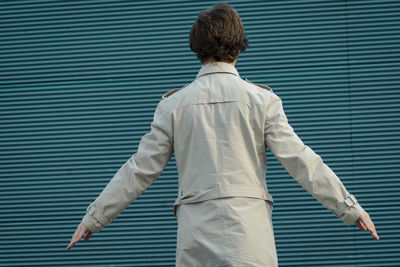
{"x":80,"y":231}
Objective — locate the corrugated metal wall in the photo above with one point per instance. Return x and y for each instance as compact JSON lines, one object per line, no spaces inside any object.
{"x":79,"y":81}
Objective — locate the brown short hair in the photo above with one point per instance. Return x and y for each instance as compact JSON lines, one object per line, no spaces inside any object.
{"x":218,"y":34}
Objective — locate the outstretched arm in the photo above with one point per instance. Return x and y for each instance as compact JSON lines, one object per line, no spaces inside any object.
{"x":132,"y":179}
{"x":308,"y":169}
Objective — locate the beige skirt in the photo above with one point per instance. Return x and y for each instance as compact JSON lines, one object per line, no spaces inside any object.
{"x":226,"y":232}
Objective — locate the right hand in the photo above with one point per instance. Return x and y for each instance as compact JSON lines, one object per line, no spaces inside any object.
{"x":365,"y":223}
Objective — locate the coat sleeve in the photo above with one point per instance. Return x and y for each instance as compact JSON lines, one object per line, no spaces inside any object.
{"x":135,"y":176}
{"x":306,"y":167}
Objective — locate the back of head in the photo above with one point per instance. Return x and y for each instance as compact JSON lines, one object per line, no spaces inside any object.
{"x":218,"y":34}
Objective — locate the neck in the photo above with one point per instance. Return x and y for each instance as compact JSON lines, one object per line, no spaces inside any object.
{"x":213,"y":61}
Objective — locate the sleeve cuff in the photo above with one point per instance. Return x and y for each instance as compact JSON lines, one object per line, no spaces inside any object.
{"x":349,"y":210}
{"x":92,"y":221}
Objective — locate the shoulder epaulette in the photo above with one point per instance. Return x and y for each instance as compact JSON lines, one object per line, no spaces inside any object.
{"x":171,"y":92}
{"x":261,"y":85}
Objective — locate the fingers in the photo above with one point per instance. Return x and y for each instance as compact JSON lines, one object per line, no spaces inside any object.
{"x":88,"y":235}
{"x":365,"y":223}
{"x":361,"y":225}
{"x":76,"y":237}
{"x":80,"y":231}
{"x":370,"y":227}
{"x":373,"y":233}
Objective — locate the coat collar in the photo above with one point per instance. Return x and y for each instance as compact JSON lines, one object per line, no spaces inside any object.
{"x":217,"y":67}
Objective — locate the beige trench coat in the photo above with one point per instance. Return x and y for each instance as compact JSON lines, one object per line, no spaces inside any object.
{"x":219,"y":127}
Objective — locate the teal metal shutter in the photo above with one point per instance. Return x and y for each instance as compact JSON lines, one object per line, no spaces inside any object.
{"x":80,"y":80}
